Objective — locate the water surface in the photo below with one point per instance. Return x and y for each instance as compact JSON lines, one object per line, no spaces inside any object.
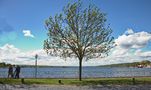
{"x":72,"y":72}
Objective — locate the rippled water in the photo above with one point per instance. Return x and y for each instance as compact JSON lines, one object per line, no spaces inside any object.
{"x":72,"y":72}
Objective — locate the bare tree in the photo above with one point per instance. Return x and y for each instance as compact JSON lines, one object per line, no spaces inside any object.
{"x":79,"y":32}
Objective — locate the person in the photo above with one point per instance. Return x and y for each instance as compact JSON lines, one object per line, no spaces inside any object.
{"x":17,"y":71}
{"x":10,"y":71}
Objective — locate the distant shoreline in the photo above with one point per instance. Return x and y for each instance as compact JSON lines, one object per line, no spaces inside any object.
{"x":144,"y":63}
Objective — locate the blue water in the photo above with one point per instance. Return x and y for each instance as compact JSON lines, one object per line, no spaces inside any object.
{"x":72,"y":72}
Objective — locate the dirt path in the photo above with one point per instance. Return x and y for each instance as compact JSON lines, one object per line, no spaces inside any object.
{"x":69,"y":87}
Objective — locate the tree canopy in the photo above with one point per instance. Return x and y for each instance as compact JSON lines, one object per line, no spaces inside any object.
{"x":79,"y":32}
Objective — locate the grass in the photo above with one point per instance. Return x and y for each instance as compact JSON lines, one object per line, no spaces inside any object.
{"x":91,"y":81}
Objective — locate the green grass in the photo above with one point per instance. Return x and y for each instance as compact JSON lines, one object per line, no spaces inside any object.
{"x":93,"y":81}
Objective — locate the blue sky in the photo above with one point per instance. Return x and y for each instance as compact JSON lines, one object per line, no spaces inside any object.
{"x":31,"y":14}
{"x":17,"y":16}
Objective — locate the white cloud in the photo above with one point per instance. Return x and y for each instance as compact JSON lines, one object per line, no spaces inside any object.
{"x":11,"y":54}
{"x":27,"y":33}
{"x":127,"y":44}
{"x":133,"y":40}
{"x":129,"y":49}
{"x":8,"y":52}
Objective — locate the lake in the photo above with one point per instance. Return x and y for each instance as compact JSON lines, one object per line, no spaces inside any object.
{"x":72,"y":72}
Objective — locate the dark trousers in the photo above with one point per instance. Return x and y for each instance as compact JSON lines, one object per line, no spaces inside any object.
{"x":17,"y":75}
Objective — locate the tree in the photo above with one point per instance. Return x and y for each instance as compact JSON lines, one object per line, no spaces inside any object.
{"x":79,"y":32}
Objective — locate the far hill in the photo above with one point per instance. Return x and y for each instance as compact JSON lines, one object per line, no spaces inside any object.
{"x":144,"y":63}
{"x":3,"y":64}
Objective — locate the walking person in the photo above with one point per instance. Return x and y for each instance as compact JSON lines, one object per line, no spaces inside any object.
{"x":10,"y":71}
{"x":17,"y":72}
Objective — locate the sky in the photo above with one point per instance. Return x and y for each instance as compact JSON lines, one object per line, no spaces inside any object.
{"x":22,"y":30}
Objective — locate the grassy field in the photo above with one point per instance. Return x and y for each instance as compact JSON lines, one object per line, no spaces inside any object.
{"x":95,"y":81}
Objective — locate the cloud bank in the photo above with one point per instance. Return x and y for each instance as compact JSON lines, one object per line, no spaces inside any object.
{"x":130,"y":48}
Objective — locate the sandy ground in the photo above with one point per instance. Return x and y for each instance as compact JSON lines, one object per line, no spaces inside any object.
{"x":69,"y":87}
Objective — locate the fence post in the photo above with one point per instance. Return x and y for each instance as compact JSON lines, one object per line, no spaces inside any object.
{"x":59,"y":81}
{"x":22,"y":81}
{"x":133,"y":80}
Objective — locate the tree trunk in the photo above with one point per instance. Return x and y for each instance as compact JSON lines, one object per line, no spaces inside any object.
{"x":80,"y":69}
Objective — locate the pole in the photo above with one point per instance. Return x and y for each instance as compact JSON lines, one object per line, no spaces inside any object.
{"x":36,"y":56}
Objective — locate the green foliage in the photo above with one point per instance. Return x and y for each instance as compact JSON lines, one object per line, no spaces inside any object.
{"x":78,"y":32}
{"x":3,"y":64}
{"x":145,"y":63}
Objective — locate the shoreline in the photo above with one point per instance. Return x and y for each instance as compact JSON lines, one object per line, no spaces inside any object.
{"x":83,"y":77}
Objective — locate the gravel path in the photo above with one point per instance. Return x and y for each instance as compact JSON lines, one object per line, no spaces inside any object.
{"x":69,"y":87}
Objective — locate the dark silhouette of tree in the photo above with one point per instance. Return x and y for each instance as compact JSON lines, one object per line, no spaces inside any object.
{"x":79,"y":32}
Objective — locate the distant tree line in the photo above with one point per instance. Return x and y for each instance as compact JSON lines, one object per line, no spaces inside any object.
{"x":3,"y":64}
{"x":134,"y":64}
